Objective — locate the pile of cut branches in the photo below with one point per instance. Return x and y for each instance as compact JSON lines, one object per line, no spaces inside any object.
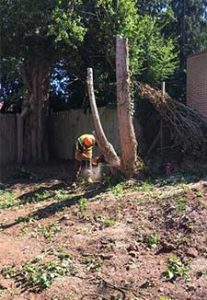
{"x":188,"y":128}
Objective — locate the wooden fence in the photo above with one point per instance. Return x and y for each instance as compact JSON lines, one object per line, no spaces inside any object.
{"x":8,"y":138}
{"x":65,"y":127}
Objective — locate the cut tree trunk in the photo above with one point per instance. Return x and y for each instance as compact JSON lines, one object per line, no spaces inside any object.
{"x":105,"y":147}
{"x":127,"y":136}
{"x":35,"y":140}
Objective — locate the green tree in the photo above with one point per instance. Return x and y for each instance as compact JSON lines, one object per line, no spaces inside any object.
{"x":153,"y":7}
{"x":189,"y":29}
{"x":152,"y":56}
{"x":36,"y":34}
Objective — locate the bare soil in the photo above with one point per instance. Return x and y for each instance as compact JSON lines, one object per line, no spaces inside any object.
{"x":119,"y":238}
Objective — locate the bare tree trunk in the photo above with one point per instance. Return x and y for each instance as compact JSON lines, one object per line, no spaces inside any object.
{"x":125,"y":124}
{"x":106,"y":148}
{"x":36,"y":104}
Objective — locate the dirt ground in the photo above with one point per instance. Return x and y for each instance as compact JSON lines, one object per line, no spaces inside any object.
{"x":133,"y":240}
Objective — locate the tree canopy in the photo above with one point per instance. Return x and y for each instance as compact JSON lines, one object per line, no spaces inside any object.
{"x":72,"y":35}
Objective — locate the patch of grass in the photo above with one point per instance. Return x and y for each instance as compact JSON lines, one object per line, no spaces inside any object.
{"x":175,"y":269}
{"x":26,"y":219}
{"x":152,"y":240}
{"x":142,"y":201}
{"x":174,"y":180}
{"x":8,"y":271}
{"x":38,"y":196}
{"x":164,"y":298}
{"x":39,"y":274}
{"x":105,"y":221}
{"x":145,"y":187}
{"x":108,"y":222}
{"x":200,"y":194}
{"x":7,"y":199}
{"x":92,"y":263}
{"x":107,"y":243}
{"x":181,"y":204}
{"x":61,"y":194}
{"x":181,"y":240}
{"x":49,"y":230}
{"x":118,"y":189}
{"x":82,"y":206}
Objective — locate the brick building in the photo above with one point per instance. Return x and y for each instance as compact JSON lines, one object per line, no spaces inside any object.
{"x":197,"y":81}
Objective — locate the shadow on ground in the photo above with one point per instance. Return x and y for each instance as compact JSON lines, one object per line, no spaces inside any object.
{"x":52,"y":209}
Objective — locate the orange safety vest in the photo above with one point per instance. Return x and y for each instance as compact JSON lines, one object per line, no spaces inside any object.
{"x":83,"y":148}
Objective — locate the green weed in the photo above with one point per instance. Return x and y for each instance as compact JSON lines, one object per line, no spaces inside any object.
{"x":176,"y":268}
{"x":108,"y":222}
{"x":118,"y":189}
{"x":200,"y":194}
{"x":181,"y":240}
{"x":40,"y":275}
{"x":82,"y":206}
{"x":145,"y":187}
{"x":26,"y":219}
{"x":181,"y":204}
{"x":24,"y":230}
{"x":8,"y":271}
{"x":105,"y":221}
{"x":61,"y":194}
{"x":49,"y":230}
{"x":7,"y":200}
{"x":92,"y":263}
{"x":152,"y":240}
{"x":38,"y":196}
{"x":107,"y":243}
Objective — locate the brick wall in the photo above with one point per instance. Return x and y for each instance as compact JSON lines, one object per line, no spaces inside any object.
{"x":197,"y":82}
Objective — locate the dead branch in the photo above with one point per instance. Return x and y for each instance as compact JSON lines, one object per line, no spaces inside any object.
{"x":188,"y":128}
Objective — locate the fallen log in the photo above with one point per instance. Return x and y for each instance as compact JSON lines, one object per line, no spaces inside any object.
{"x":188,"y":128}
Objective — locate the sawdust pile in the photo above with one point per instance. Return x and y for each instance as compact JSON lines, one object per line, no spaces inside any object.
{"x":188,"y":128}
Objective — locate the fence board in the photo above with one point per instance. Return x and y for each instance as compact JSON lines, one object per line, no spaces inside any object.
{"x":67,"y":126}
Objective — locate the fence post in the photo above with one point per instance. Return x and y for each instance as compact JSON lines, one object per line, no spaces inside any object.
{"x":19,"y":138}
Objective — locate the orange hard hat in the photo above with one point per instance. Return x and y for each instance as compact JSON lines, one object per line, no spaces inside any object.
{"x":88,"y":142}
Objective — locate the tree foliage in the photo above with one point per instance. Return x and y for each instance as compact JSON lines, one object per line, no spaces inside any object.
{"x":36,"y":31}
{"x":73,"y":35}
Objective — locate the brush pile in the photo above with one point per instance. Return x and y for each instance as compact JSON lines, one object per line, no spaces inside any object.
{"x":188,"y":128}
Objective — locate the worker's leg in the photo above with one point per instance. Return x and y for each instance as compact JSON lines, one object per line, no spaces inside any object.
{"x":76,"y":170}
{"x":88,"y":170}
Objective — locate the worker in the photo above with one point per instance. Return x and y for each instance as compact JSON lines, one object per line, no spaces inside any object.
{"x":83,"y":156}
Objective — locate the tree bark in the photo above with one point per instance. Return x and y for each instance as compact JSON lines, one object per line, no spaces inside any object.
{"x":105,"y":147}
{"x":35,"y":140}
{"x":125,"y":123}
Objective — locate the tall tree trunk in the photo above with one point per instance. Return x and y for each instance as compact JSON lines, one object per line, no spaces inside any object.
{"x":125,"y":123}
{"x":105,"y":147}
{"x":36,"y":78}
